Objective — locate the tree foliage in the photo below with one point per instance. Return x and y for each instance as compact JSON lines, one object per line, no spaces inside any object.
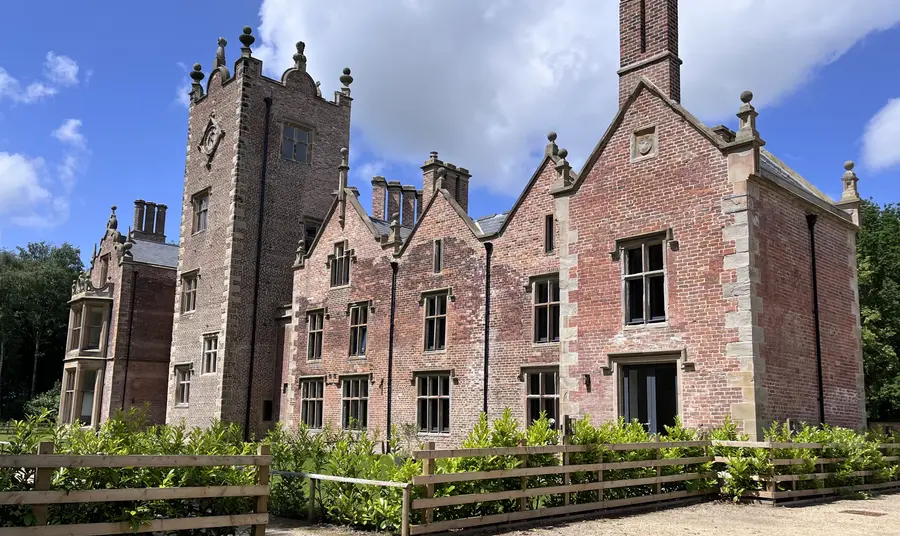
{"x":878,"y":253}
{"x":35,"y":286}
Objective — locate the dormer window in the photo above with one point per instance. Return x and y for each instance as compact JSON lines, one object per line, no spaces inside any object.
{"x":295,"y":144}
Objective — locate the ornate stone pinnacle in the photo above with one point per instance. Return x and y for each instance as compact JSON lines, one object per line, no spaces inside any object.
{"x":552,"y":148}
{"x":551,"y":136}
{"x":220,"y":53}
{"x":850,"y":180}
{"x":345,"y":78}
{"x":299,"y":58}
{"x":113,"y":222}
{"x":344,"y":153}
{"x":848,"y":165}
{"x":746,"y":96}
{"x":197,"y":74}
{"x":247,"y":38}
{"x":563,"y":153}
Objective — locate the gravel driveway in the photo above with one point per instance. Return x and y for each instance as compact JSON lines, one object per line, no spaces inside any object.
{"x":844,"y":518}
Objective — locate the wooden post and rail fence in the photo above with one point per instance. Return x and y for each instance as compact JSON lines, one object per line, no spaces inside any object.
{"x":585,"y":487}
{"x":45,"y":463}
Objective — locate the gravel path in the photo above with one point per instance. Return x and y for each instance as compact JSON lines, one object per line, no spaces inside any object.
{"x":707,"y":519}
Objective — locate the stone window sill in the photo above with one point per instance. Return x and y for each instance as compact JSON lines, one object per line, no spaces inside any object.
{"x":649,"y":325}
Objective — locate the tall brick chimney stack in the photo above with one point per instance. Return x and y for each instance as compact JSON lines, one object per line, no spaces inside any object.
{"x":139,"y":214}
{"x":149,"y":221}
{"x":429,"y":175}
{"x":648,"y":46}
{"x":379,"y":190}
{"x":408,"y":217}
{"x":393,"y":198}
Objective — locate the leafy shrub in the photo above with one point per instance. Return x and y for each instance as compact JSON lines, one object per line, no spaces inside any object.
{"x":46,"y":402}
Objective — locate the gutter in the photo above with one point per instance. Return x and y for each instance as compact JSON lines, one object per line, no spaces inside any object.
{"x":488,"y":250}
{"x":259,"y":229}
{"x":390,"y":359}
{"x":811,"y":224}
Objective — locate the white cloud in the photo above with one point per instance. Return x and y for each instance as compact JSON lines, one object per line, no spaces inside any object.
{"x":69,"y":132}
{"x":61,"y":70}
{"x":30,"y":194}
{"x":183,"y":91}
{"x":481,"y":82}
{"x":880,"y":148}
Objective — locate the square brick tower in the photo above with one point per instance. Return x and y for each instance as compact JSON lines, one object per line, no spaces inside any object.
{"x":257,"y":150}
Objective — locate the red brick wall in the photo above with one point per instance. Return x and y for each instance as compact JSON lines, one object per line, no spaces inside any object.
{"x":681,"y":188}
{"x":463,"y":272}
{"x":518,"y":255}
{"x":787,"y":320}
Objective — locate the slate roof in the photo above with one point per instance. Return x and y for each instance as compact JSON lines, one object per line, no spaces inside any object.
{"x":384,"y":228}
{"x":147,"y":252}
{"x":771,"y":167}
{"x":491,"y":224}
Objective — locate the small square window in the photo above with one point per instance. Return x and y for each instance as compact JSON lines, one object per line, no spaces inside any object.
{"x":295,"y":144}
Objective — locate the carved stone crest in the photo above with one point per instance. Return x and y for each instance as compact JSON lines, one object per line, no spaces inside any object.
{"x":644,"y":144}
{"x":211,"y":138}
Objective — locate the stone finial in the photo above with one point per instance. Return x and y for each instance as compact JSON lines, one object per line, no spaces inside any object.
{"x":850,"y":180}
{"x":301,"y":251}
{"x":344,"y":153}
{"x":346,"y":80}
{"x":196,"y":89}
{"x":318,"y":88}
{"x":439,"y":178}
{"x":220,"y":54}
{"x":113,"y":222}
{"x":552,"y":149}
{"x":563,"y":167}
{"x":395,"y":238}
{"x":299,"y":58}
{"x":747,"y":118}
{"x":246,"y":39}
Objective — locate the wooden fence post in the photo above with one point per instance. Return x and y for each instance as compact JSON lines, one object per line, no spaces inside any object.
{"x":311,"y":502}
{"x":262,"y":501}
{"x":772,"y":484}
{"x":42,"y":478}
{"x":428,"y":469}
{"x":404,"y":523}
{"x":567,"y":478}
{"x":600,"y":494}
{"x":658,"y":467}
{"x":523,"y":501}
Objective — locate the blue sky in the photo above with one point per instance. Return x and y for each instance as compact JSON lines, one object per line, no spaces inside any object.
{"x":92,"y":113}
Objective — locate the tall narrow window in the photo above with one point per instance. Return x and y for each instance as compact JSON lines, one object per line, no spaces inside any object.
{"x":549,"y":234}
{"x":210,"y":354}
{"x":94,"y":328}
{"x":359,"y":318}
{"x":542,"y":394}
{"x":315,"y":322}
{"x":201,"y":211}
{"x":355,"y":403}
{"x":88,"y":386}
{"x":295,"y":144}
{"x":546,"y":310}
{"x":311,"y":402}
{"x":75,"y":331}
{"x":340,"y":266}
{"x":433,"y":413}
{"x":183,"y":384}
{"x":645,"y":283}
{"x":189,"y":293}
{"x":68,"y":396}
{"x":435,"y":322}
{"x":438,"y":256}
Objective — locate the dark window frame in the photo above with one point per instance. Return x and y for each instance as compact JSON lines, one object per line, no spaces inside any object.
{"x":315,"y":334}
{"x":189,"y":285}
{"x":549,"y":234}
{"x":435,"y":336}
{"x":537,"y":397}
{"x":355,"y":402}
{"x":200,"y":212}
{"x":358,"y":315}
{"x":437,"y":252}
{"x":183,"y":385}
{"x":290,"y":139}
{"x":339,"y":265}
{"x":546,"y":306}
{"x":644,"y":286}
{"x":210,"y":354}
{"x":433,"y":402}
{"x":312,"y":402}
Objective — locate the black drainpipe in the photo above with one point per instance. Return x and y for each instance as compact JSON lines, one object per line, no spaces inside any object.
{"x":390,"y":363}
{"x":259,"y":231}
{"x":488,"y":250}
{"x":134,"y":275}
{"x":811,"y":223}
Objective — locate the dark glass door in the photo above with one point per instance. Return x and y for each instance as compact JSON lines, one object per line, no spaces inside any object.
{"x":650,"y":395}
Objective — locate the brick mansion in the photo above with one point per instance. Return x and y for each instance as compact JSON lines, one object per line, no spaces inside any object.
{"x":684,"y":270}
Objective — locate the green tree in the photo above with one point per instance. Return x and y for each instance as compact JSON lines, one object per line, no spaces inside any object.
{"x":878,"y":252}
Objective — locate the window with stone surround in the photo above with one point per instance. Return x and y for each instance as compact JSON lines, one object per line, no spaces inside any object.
{"x":644,"y":281}
{"x":340,"y":265}
{"x":189,"y":292}
{"x":315,"y":324}
{"x":438,"y":256}
{"x":88,"y":388}
{"x":542,"y":394}
{"x":355,"y":402}
{"x":75,"y":330}
{"x":68,"y":396}
{"x":210,"y":354}
{"x":295,"y":143}
{"x":94,"y":327}
{"x":433,"y":403}
{"x":435,"y":322}
{"x":359,"y":318}
{"x":200,"y":203}
{"x":182,"y":385}
{"x":549,"y":234}
{"x":87,"y":326}
{"x":546,"y":310}
{"x":312,"y":399}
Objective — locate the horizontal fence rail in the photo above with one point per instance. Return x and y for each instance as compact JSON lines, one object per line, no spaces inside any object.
{"x":45,"y":463}
{"x":645,"y":490}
